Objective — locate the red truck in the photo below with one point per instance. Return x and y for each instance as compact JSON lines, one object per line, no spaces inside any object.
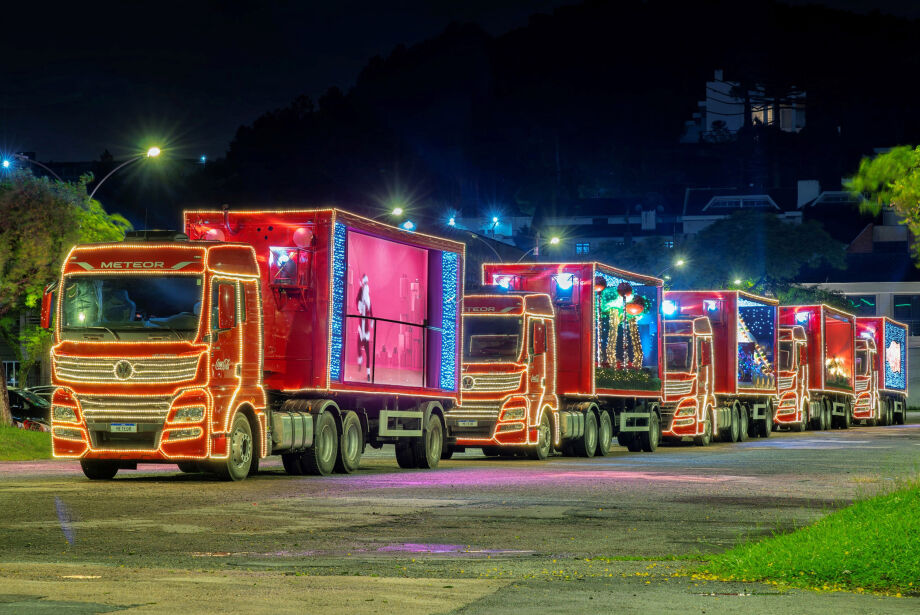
{"x":792,"y":409}
{"x":306,"y":333}
{"x":881,"y":371}
{"x":830,"y":352}
{"x":738,"y":400}
{"x":567,"y":350}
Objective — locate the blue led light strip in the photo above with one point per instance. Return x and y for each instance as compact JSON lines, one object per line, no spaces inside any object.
{"x":450,"y":290}
{"x":339,"y":241}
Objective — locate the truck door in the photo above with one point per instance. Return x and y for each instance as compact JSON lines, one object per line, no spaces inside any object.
{"x":225,"y":349}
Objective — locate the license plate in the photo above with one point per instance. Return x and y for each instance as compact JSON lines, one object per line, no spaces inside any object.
{"x":467,"y":423}
{"x":123,"y":428}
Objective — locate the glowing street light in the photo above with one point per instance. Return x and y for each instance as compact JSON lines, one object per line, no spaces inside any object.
{"x":153,"y":152}
{"x":452,"y":221}
{"x":678,"y":263}
{"x":737,"y":281}
{"x":554,"y":241}
{"x":408,"y":225}
{"x":6,"y":164}
{"x":397,"y":211}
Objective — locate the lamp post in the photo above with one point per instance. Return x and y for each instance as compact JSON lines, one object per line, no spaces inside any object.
{"x":535,"y":250}
{"x":22,"y":158}
{"x":396,"y":211}
{"x":153,"y":152}
{"x":678,"y":263}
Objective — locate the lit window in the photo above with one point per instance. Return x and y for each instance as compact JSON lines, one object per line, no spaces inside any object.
{"x":669,"y":244}
{"x":582,"y":248}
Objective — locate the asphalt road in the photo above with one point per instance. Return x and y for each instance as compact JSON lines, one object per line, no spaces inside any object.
{"x":476,"y":536}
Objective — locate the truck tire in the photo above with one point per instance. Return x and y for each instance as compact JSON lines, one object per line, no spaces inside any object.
{"x":447,"y":453}
{"x":902,"y":415}
{"x":319,"y":459}
{"x":730,"y":433}
{"x":428,"y":448}
{"x":882,"y":413}
{"x":99,"y":469}
{"x":587,"y":443}
{"x":828,"y":416}
{"x":706,"y":437}
{"x":604,"y":434}
{"x":405,"y":454}
{"x":544,"y":445}
{"x":189,"y":467}
{"x":240,"y":451}
{"x":765,"y":425}
{"x":744,"y":421}
{"x":291,"y":463}
{"x":351,"y":444}
{"x":650,"y":439}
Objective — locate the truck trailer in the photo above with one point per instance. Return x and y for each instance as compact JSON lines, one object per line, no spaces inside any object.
{"x":881,"y":371}
{"x":307,"y":333}
{"x":572,"y":350}
{"x":743,"y":358}
{"x":831,"y":354}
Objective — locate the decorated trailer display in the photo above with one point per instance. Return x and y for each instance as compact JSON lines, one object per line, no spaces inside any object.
{"x":307,"y":333}
{"x":881,"y":371}
{"x":831,"y":356}
{"x":743,"y":357}
{"x":608,"y":375}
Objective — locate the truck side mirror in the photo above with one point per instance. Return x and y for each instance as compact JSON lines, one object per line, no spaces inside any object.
{"x":226,"y":306}
{"x":48,"y":305}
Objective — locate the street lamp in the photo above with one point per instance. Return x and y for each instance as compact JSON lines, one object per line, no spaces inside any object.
{"x":153,"y":152}
{"x":678,"y":263}
{"x":6,"y":164}
{"x":396,"y":211}
{"x":554,"y":240}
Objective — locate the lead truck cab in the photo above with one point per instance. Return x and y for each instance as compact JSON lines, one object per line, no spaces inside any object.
{"x":508,"y":383}
{"x":157,"y":356}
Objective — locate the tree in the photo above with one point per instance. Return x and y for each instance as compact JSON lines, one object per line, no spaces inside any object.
{"x":40,"y":220}
{"x":892,"y":179}
{"x":760,"y":250}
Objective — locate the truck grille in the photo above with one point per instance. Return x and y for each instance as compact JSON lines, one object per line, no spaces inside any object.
{"x":472,"y":420}
{"x":474,"y":411}
{"x":96,"y":369}
{"x":785,"y":382}
{"x":862,"y":385}
{"x":125,"y":408}
{"x":489,"y":383}
{"x":674,"y":388}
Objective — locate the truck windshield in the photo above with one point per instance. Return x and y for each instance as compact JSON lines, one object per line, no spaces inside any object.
{"x":678,"y":354}
{"x":492,"y":338}
{"x":862,"y":362}
{"x":125,"y":307}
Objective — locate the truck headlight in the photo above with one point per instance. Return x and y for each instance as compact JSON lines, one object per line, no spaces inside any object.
{"x":184,"y":434}
{"x":67,"y":433}
{"x":189,"y":414}
{"x":511,"y":414}
{"x":65,"y":414}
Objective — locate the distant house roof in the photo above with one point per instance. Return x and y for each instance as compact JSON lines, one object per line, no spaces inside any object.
{"x":725,"y":201}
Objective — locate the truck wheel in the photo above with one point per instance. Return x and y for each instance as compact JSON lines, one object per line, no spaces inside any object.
{"x":766,"y":424}
{"x":428,"y":448}
{"x":650,"y":439}
{"x":730,"y":433}
{"x":706,"y":437}
{"x":189,"y":467}
{"x":828,"y":416}
{"x":541,"y":449}
{"x":447,"y":453}
{"x":604,"y":435}
{"x":239,"y":456}
{"x":351,"y":444}
{"x":291,"y":463}
{"x":587,"y":443}
{"x":743,"y":423}
{"x":902,"y":415}
{"x":319,"y":459}
{"x":99,"y":469}
{"x":405,"y":454}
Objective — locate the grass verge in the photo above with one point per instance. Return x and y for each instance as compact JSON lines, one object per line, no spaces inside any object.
{"x":872,"y":545}
{"x":22,"y":445}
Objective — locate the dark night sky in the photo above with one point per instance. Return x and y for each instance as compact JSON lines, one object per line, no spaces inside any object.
{"x":78,"y":78}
